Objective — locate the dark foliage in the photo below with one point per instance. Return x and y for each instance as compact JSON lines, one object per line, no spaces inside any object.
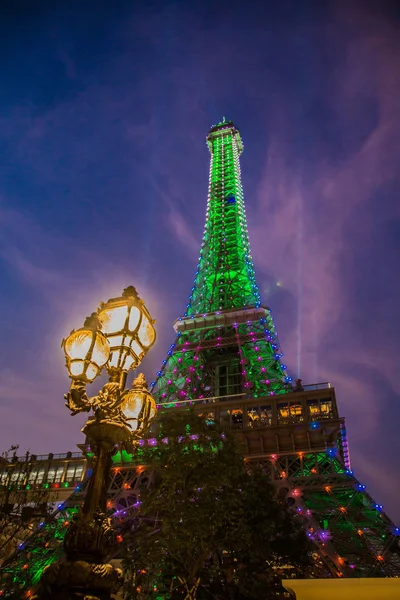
{"x":208,"y":528}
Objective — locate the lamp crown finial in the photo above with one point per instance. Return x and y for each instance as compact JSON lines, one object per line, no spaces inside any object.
{"x":129,"y":292}
{"x":140,"y":380}
{"x":93,"y":322}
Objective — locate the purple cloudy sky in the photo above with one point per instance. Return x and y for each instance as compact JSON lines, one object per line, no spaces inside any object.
{"x":104,"y":109}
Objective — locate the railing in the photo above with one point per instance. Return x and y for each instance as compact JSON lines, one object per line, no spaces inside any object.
{"x":42,"y":457}
{"x":68,"y":456}
{"x":207,"y":400}
{"x":211,"y":399}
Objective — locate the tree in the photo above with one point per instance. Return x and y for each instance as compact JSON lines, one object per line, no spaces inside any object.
{"x":207,"y":527}
{"x":19,"y":508}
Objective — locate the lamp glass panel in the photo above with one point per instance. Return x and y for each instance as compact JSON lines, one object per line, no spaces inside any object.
{"x":119,"y":356}
{"x":129,"y":361}
{"x":146,"y":332}
{"x":113,"y":319}
{"x":134,"y":318}
{"x":116,"y":340}
{"x":91,"y":371}
{"x":114,"y":360}
{"x":101,"y":351}
{"x":132,"y":405}
{"x":138,"y":350}
{"x":77,"y":368}
{"x":78,"y":344}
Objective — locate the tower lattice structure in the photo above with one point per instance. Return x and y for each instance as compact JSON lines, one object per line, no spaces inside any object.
{"x":226,"y":362}
{"x":226,"y":342}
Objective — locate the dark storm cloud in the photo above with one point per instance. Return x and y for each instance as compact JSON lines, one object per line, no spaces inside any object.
{"x":104,"y":180}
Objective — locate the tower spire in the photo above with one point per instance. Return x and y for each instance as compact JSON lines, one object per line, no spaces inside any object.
{"x":225,"y":277}
{"x":226,"y":341}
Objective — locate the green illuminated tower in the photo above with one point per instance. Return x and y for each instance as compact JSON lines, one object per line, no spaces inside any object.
{"x":226,"y":363}
{"x":226,"y":342}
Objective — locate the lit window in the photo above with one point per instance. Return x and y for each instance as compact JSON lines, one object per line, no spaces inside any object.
{"x":40,"y":475}
{"x":74,"y":472}
{"x":259,"y":416}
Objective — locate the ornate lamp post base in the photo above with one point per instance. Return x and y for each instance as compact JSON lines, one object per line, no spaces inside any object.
{"x":90,"y":538}
{"x":79,"y":580}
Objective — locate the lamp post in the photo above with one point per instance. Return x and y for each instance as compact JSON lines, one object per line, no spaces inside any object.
{"x":116,"y":338}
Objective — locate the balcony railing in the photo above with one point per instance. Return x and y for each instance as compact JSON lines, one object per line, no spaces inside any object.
{"x":211,"y":399}
{"x":43,"y":457}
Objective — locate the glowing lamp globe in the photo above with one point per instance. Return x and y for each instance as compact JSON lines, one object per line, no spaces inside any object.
{"x":138,"y":405}
{"x":128,"y":326}
{"x":86,"y":350}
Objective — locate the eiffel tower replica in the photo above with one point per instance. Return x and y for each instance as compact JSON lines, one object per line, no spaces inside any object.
{"x":226,"y":363}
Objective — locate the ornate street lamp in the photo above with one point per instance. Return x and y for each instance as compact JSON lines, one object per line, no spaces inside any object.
{"x":116,"y":338}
